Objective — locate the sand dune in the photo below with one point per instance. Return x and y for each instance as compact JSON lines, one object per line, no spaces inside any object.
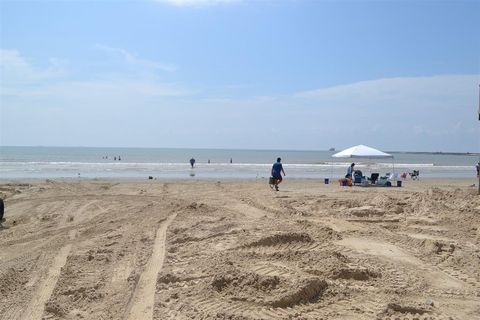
{"x":237,"y":250}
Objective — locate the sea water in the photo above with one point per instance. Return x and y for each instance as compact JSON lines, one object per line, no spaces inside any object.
{"x":164,"y":163}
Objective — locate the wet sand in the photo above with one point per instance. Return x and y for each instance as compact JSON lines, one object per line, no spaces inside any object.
{"x":237,"y":250}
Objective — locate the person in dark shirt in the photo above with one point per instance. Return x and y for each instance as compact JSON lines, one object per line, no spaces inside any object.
{"x":277,"y":170}
{"x":192,"y":162}
{"x":2,"y":210}
{"x":350,"y":171}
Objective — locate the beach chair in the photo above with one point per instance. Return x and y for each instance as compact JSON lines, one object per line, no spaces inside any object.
{"x":373,"y":178}
{"x":415,"y":175}
{"x":383,"y":181}
{"x":357,"y":178}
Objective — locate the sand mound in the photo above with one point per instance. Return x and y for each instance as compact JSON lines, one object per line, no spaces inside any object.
{"x":404,"y":309}
{"x":439,"y":247}
{"x":382,"y":201}
{"x":354,"y":274}
{"x":282,"y":238}
{"x":309,"y":291}
{"x":55,"y":309}
{"x":245,"y":281}
{"x":366,"y":211}
{"x":11,"y":280}
{"x":265,"y":290}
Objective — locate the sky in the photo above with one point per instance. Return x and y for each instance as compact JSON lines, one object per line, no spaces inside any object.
{"x":241,"y":74}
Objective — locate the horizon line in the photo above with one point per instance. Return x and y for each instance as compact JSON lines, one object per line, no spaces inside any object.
{"x":241,"y":149}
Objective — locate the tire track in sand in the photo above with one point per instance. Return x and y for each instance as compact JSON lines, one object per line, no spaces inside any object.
{"x":36,"y":306}
{"x":143,"y":299}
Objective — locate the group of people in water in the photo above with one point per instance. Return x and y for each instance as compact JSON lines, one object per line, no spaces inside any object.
{"x":192,"y":162}
{"x":115,"y":158}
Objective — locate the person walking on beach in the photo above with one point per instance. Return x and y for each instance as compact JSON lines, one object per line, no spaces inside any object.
{"x":478,"y":169}
{"x":350,"y":171}
{"x":192,"y":162}
{"x":2,"y":210}
{"x":277,"y":170}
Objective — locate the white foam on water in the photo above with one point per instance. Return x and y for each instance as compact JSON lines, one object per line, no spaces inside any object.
{"x":50,"y":162}
{"x":12,"y":170}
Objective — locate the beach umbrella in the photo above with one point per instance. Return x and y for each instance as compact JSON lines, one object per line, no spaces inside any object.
{"x":362,"y":151}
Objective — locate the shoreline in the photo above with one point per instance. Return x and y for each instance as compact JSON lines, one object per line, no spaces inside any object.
{"x":421,"y":181}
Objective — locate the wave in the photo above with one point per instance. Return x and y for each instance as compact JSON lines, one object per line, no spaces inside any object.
{"x":336,"y":165}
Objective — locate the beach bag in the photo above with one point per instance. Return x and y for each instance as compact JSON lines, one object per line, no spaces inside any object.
{"x":271,"y":180}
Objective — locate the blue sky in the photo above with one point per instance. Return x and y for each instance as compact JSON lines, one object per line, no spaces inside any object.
{"x":397,"y":75}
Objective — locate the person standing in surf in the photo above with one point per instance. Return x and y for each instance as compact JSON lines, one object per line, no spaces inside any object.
{"x":277,"y":170}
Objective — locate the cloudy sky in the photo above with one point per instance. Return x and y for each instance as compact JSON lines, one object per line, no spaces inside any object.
{"x":397,"y":75}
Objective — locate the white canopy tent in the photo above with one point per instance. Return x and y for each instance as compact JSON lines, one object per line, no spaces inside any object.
{"x":364,"y":152}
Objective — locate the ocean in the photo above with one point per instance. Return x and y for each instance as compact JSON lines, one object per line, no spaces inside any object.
{"x":170,"y":163}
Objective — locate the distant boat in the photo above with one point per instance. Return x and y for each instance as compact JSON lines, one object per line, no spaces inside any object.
{"x":331,"y":149}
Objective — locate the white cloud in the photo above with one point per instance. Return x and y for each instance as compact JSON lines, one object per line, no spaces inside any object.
{"x":185,"y":3}
{"x":15,"y":69}
{"x":21,"y":81}
{"x":97,"y":92}
{"x":411,"y":113}
{"x":113,"y":89}
{"x":397,"y":91}
{"x":132,"y":59}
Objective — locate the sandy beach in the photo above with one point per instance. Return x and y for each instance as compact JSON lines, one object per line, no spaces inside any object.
{"x":95,"y":249}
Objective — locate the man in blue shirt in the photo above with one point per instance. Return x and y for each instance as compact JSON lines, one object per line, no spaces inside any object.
{"x":277,"y":170}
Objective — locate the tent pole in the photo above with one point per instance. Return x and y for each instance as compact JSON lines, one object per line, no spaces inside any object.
{"x":331,"y":171}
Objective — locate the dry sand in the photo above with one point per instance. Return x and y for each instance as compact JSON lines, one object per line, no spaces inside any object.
{"x":238,"y":250}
